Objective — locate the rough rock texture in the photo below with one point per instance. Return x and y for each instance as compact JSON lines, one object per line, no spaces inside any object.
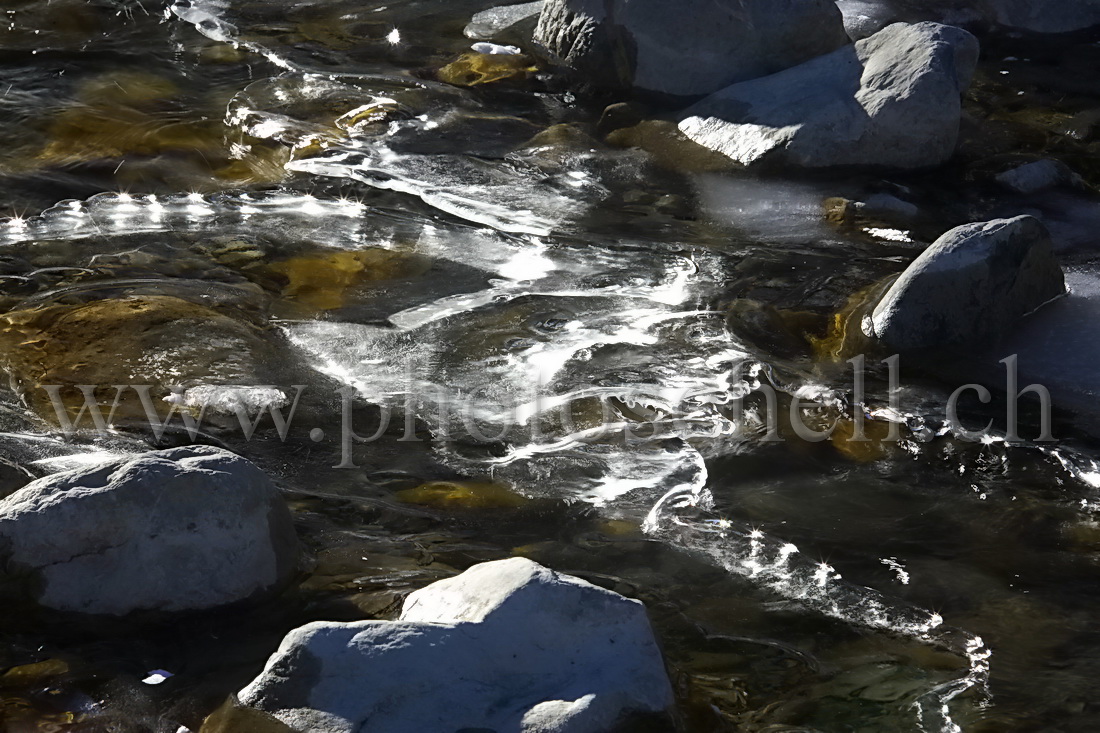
{"x":173,"y":530}
{"x":889,"y":100}
{"x":863,"y":17}
{"x":970,"y":287}
{"x":506,"y":646}
{"x":686,"y":49}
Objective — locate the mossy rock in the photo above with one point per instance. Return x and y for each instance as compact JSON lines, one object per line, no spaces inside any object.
{"x":155,"y":340}
{"x":462,"y":495}
{"x":476,"y":69}
{"x":326,"y":281}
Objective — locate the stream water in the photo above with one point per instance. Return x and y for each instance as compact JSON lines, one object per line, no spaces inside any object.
{"x":548,"y":345}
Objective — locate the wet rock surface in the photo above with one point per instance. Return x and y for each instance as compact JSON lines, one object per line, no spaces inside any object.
{"x":972,"y":286}
{"x":184,"y":529}
{"x":507,"y":645}
{"x":159,"y":341}
{"x":890,"y":100}
{"x":658,"y":48}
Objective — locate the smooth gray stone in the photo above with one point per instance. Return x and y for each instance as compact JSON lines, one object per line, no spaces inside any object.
{"x":492,"y":23}
{"x":506,"y":646}
{"x":1036,"y":16}
{"x":891,"y":100}
{"x":174,"y":530}
{"x":687,"y":48}
{"x":1039,"y":176}
{"x":970,"y":287}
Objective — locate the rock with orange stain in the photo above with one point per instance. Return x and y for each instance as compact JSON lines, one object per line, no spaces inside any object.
{"x":877,"y":441}
{"x":475,"y":69}
{"x":324,"y":281}
{"x":462,"y":495}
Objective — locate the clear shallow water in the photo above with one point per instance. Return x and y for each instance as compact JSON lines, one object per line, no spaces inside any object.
{"x":458,"y":260}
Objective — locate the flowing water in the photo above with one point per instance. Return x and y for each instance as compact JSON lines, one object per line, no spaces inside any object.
{"x":503,"y":336}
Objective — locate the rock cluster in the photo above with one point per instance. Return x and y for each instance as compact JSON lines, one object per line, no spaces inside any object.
{"x":889,"y":100}
{"x":776,"y":82}
{"x":666,"y":48}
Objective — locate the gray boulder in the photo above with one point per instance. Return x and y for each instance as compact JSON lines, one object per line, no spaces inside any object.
{"x":687,"y":48}
{"x":863,"y":17}
{"x":1044,"y":16}
{"x":1039,"y":176}
{"x":507,"y":646}
{"x":173,"y":530}
{"x":889,"y":100}
{"x":497,"y":22}
{"x":970,"y":287}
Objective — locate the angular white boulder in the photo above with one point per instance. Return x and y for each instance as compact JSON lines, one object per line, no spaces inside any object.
{"x":686,"y":48}
{"x":970,"y":287}
{"x":506,"y":646}
{"x":891,"y":100}
{"x":173,"y":530}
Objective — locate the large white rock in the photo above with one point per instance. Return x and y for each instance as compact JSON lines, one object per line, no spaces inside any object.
{"x":173,"y":530}
{"x":889,"y":100}
{"x":970,"y":287}
{"x":686,"y":48}
{"x":507,"y":646}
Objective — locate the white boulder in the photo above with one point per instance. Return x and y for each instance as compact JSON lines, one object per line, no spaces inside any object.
{"x":970,"y":287}
{"x":174,"y":530}
{"x":687,"y":48}
{"x":889,"y":100}
{"x":505,"y":646}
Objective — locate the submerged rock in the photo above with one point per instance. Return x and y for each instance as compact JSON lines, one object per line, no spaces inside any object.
{"x":325,"y":281}
{"x":175,"y":530}
{"x":474,"y":69}
{"x":506,"y":646}
{"x":863,"y":17}
{"x":1039,"y":176}
{"x":971,"y":286}
{"x":890,"y":100}
{"x":1045,"y":16}
{"x":155,"y":340}
{"x":685,"y":49}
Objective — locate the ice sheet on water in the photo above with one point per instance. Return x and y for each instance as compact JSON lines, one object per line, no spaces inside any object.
{"x":485,"y":193}
{"x":684,"y":518}
{"x":338,"y":222}
{"x":777,"y":211}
